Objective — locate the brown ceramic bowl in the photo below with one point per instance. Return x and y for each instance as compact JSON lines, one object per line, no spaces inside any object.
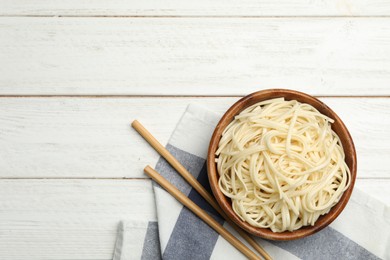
{"x":338,"y":126}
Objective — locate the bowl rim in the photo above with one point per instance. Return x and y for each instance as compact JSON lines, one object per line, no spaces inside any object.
{"x":225,"y":202}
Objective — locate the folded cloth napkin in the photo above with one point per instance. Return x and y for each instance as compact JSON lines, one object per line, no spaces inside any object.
{"x":362,"y":231}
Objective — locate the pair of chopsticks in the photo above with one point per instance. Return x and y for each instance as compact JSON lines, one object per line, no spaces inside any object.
{"x":202,"y":191}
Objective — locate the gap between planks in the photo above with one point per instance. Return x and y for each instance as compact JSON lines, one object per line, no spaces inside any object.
{"x":201,"y":16}
{"x":176,"y":96}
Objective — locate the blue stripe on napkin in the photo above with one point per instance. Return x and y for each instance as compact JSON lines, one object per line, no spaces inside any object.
{"x":191,"y":238}
{"x":198,"y":199}
{"x":190,"y":233}
{"x":151,"y":248}
{"x":191,"y":162}
{"x":326,"y":244}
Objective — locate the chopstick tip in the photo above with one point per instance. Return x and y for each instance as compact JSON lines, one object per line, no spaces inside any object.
{"x":148,"y":169}
{"x":134,"y":123}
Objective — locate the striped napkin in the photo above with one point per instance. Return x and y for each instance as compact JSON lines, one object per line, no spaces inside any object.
{"x":362,"y":231}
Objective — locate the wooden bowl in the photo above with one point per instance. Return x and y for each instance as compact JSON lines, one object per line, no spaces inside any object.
{"x":338,"y":126}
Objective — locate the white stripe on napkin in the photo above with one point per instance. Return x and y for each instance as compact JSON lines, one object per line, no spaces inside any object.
{"x":130,"y":240}
{"x":194,"y":130}
{"x":367,"y":221}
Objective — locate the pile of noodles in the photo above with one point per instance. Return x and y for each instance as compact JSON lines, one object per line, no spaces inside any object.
{"x":282,"y":165}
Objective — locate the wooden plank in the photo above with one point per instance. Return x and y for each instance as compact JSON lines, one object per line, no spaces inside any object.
{"x":92,"y":137}
{"x":68,"y":219}
{"x":188,"y":56}
{"x":378,"y":188}
{"x":196,"y":8}
{"x":77,"y":219}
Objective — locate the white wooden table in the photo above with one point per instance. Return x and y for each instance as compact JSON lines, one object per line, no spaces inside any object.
{"x":74,"y":74}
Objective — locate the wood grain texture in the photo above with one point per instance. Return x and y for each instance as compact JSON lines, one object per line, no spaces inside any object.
{"x":150,"y":48}
{"x":92,"y":137}
{"x":77,"y":219}
{"x":196,"y":8}
{"x":189,"y":56}
{"x":68,"y":219}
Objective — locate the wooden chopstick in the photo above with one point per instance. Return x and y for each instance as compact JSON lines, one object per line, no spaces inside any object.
{"x":194,"y":183}
{"x":199,"y":212}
